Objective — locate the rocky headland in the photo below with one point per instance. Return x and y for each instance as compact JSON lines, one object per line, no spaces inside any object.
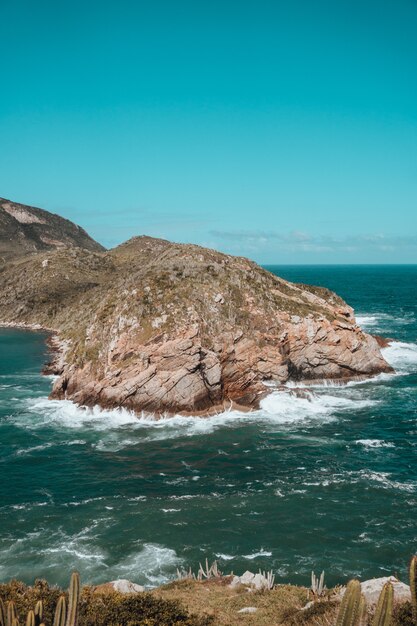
{"x":171,"y":328}
{"x":26,"y":230}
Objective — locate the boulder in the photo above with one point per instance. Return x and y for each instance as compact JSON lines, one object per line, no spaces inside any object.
{"x":257,"y":581}
{"x":121,"y":585}
{"x":372,"y":588}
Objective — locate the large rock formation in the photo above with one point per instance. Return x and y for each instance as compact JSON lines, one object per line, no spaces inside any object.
{"x":25,"y":230}
{"x":167,"y":328}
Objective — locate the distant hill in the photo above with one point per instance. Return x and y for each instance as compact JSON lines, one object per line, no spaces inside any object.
{"x":25,"y":230}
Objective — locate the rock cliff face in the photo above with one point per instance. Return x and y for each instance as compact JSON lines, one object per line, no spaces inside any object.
{"x":25,"y":230}
{"x":166,"y":328}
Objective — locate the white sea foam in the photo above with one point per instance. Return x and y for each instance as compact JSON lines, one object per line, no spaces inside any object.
{"x":285,"y":408}
{"x":382,"y":321}
{"x":255,"y":555}
{"x":54,"y":552}
{"x":28,"y":451}
{"x":401,"y":356}
{"x":70,"y":415}
{"x":383,"y":478}
{"x":374,"y":443}
{"x":367,"y":321}
{"x":57,"y":551}
{"x":341,"y":385}
{"x":224,"y":557}
{"x":153,"y":564}
{"x":282,"y":408}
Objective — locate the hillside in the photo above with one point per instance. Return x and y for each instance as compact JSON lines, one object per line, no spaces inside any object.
{"x":171,"y":328}
{"x":27,"y":230}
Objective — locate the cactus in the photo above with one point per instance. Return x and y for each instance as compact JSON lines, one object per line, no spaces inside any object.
{"x":383,"y":613}
{"x":38,"y":613}
{"x":362,"y":612}
{"x":413,"y":586}
{"x":349,"y":609}
{"x":30,"y":620}
{"x":3,"y":613}
{"x":317,"y":585}
{"x":11,"y":613}
{"x":73,"y":599}
{"x":60,"y":612}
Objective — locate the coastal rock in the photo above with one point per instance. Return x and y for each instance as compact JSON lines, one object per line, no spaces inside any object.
{"x":256,"y":581}
{"x":122,"y":586}
{"x":372,"y":588}
{"x":165,"y":328}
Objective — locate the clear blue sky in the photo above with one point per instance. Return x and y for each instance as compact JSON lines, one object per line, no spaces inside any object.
{"x":284,"y":131}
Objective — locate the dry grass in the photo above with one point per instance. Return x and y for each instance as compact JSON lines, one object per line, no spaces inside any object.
{"x":281,"y":606}
{"x":191,"y":603}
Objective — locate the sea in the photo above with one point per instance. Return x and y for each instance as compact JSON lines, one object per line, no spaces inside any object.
{"x":323,"y":482}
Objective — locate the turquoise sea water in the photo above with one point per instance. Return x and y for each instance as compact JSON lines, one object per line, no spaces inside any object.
{"x":328,"y":482}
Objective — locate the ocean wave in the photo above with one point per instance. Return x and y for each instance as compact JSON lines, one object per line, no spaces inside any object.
{"x":382,"y":321}
{"x":57,"y":552}
{"x":374,"y":443}
{"x":401,"y":356}
{"x":256,"y":555}
{"x":380,"y":479}
{"x":54,"y":552}
{"x":152,"y":565}
{"x":341,"y":384}
{"x":224,"y":557}
{"x":70,"y":415}
{"x":383,"y":478}
{"x":28,"y":451}
{"x":289,"y":408}
{"x":120,"y":428}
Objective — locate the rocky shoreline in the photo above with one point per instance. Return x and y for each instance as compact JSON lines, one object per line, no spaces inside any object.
{"x":57,"y":365}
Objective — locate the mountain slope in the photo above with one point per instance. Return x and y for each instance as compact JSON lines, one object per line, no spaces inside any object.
{"x":27,"y":230}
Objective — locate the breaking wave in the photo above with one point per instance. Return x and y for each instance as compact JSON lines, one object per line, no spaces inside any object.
{"x":401,"y":356}
{"x":287,"y":408}
{"x":150,"y":564}
{"x":383,"y":321}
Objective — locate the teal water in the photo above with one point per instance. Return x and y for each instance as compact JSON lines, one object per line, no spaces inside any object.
{"x":326,"y":483}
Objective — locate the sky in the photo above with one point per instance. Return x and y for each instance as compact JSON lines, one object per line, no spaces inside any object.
{"x":282,"y":131}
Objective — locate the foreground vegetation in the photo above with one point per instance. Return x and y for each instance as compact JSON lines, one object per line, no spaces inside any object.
{"x":204,"y":601}
{"x":49,"y":606}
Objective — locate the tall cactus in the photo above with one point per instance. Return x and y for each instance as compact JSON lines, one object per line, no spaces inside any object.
{"x":349,"y":609}
{"x":362,"y":612}
{"x":3,"y":614}
{"x":30,"y":619}
{"x":11,"y":613}
{"x":38,"y":613}
{"x":413,"y":586}
{"x":383,"y":613}
{"x":73,"y":599}
{"x":60,"y":612}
